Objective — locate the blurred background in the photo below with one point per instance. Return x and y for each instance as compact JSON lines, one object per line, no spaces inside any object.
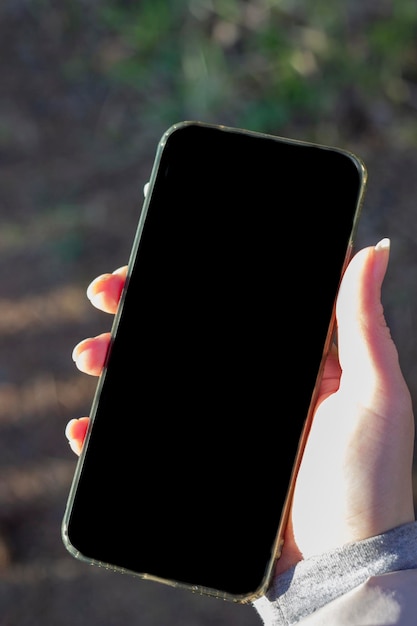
{"x":88,"y":88}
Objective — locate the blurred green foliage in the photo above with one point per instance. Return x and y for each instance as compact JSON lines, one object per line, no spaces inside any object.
{"x":333,"y":70}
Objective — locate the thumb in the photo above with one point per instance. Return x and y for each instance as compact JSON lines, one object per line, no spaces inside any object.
{"x":367,"y":354}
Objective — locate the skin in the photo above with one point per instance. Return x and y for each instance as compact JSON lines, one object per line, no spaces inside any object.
{"x":355,"y":477}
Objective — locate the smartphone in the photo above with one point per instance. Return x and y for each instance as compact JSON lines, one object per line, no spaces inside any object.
{"x":201,"y":412}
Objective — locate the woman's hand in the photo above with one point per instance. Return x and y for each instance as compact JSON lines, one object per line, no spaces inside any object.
{"x":355,"y":477}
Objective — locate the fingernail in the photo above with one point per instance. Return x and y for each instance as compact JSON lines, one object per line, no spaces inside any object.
{"x":384,"y":244}
{"x":91,"y":289}
{"x":381,"y":259}
{"x":76,"y":350}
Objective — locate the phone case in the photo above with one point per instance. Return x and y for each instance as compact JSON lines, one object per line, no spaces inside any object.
{"x":257,"y":491}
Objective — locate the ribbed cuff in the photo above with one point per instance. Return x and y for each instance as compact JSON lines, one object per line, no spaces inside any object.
{"x":316,"y":581}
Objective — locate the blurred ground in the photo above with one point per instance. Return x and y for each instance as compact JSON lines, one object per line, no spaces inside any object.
{"x":75,"y":153}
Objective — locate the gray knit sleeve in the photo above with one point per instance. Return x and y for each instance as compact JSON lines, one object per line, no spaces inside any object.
{"x":312,"y":583}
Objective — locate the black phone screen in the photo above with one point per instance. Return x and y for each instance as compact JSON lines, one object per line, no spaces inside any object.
{"x":215,"y":356}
